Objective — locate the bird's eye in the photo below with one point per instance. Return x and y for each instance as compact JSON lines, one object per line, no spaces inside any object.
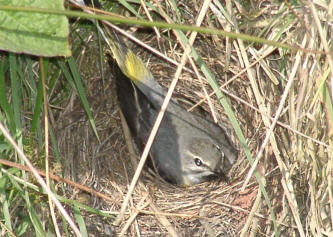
{"x":197,"y":161}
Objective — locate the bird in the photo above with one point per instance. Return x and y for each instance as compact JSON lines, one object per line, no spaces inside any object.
{"x":188,"y":149}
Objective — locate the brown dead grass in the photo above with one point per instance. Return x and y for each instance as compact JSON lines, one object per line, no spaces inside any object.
{"x":218,"y":208}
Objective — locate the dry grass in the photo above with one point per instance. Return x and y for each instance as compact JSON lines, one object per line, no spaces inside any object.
{"x":296,"y":162}
{"x":296,"y":168}
{"x":282,"y":100}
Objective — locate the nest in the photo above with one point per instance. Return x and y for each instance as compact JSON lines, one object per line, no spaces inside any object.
{"x":106,"y":167}
{"x":210,"y":209}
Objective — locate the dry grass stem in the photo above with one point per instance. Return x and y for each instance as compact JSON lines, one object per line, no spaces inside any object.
{"x":281,"y":100}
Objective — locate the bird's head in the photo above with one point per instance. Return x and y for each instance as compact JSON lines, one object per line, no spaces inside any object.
{"x":203,"y":159}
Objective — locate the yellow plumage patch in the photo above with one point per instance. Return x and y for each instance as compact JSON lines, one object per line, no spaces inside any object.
{"x":135,"y":68}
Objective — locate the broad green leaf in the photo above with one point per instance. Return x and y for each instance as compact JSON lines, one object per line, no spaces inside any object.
{"x":34,"y":33}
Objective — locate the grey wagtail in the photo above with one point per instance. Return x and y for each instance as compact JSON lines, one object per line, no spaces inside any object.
{"x":188,"y":149}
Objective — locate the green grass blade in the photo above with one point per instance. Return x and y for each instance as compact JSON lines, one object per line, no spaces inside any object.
{"x":130,"y":8}
{"x":15,"y":91}
{"x":38,"y":106}
{"x":81,"y":92}
{"x":79,"y":219}
{"x":3,"y":98}
{"x":4,"y":202}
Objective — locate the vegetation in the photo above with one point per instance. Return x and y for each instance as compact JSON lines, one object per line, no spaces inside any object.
{"x":268,"y":82}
